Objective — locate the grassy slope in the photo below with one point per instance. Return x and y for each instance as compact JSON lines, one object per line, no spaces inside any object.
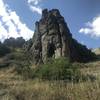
{"x":14,"y":87}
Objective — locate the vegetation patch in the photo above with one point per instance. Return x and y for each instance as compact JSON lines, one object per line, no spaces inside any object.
{"x":55,"y":69}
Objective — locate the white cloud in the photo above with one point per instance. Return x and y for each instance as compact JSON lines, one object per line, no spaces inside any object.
{"x":34,"y":6}
{"x":36,"y":9}
{"x":92,"y":28}
{"x":35,"y":2}
{"x":11,"y":25}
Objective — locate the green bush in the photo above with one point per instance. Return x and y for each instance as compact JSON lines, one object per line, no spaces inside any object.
{"x":54,"y":69}
{"x":58,"y":69}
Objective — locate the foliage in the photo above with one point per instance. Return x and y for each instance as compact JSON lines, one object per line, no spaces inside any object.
{"x":14,"y":43}
{"x":3,"y":50}
{"x":54,"y":69}
{"x":58,"y":69}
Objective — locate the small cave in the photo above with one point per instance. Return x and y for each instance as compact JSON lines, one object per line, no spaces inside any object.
{"x":50,"y":50}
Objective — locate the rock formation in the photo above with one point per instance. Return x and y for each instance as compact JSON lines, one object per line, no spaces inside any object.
{"x":53,"y":39}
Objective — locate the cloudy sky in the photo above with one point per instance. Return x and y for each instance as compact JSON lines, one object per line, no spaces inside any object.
{"x":17,"y":18}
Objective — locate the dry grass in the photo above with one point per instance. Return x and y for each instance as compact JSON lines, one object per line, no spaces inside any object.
{"x":13,"y":87}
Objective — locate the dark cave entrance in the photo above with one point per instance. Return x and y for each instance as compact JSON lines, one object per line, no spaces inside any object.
{"x":51,"y":50}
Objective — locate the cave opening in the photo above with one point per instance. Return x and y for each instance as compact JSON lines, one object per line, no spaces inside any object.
{"x":51,"y":50}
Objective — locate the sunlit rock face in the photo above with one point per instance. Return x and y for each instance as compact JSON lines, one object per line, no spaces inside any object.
{"x":52,"y":39}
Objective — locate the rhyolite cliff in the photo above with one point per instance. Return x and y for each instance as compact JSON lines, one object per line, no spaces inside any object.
{"x":53,"y":39}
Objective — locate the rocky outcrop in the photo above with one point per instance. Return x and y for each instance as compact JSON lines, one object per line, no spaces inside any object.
{"x":53,"y":39}
{"x":96,"y":51}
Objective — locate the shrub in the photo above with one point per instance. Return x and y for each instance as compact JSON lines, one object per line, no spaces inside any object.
{"x":54,"y":69}
{"x":58,"y":69}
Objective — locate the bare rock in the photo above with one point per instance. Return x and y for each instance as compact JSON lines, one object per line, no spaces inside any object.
{"x":53,"y":39}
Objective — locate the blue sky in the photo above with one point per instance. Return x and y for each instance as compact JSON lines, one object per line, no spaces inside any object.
{"x":17,"y":18}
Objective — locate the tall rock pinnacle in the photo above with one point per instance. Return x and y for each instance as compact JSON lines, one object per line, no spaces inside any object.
{"x":52,"y":39}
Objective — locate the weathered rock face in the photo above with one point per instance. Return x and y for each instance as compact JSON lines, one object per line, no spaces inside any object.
{"x":52,"y":38}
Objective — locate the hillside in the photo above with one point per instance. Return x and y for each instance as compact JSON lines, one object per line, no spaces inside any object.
{"x":14,"y":87}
